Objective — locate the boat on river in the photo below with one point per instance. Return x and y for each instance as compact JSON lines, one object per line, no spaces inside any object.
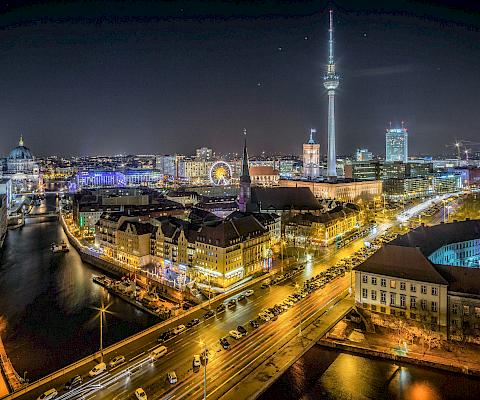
{"x":61,"y":247}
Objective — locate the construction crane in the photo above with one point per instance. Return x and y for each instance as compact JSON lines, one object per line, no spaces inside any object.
{"x":461,"y":147}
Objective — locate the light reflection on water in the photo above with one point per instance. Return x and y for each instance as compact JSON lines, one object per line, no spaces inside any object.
{"x":47,"y":301}
{"x":329,"y":375}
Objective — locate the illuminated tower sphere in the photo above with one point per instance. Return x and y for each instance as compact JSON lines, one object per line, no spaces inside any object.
{"x":245,"y":180}
{"x":330,"y":82}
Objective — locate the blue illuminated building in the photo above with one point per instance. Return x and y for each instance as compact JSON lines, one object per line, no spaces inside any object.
{"x":129,"y":177}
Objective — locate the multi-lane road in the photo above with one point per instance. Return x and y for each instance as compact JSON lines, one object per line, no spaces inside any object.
{"x":225,"y":368}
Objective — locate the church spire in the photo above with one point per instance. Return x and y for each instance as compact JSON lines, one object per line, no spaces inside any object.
{"x":245,"y":180}
{"x":20,"y":142}
{"x":245,"y":169}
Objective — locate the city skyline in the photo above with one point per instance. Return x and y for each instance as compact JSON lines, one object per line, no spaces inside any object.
{"x":130,"y":75}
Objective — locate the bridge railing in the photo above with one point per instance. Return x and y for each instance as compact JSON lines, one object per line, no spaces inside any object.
{"x":84,"y":361}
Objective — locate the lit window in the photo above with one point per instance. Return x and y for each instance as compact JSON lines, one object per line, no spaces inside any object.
{"x":434,"y":291}
{"x":393,"y":284}
{"x":365,"y":279}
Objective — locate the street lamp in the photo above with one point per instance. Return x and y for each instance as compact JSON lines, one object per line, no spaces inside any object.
{"x":101,"y":314}
{"x":204,"y":344}
{"x":300,"y":309}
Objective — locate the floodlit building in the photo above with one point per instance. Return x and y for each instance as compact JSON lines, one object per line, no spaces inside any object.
{"x":396,"y":144}
{"x":311,"y":158}
{"x":428,"y":277}
{"x":363,"y":155}
{"x":3,"y":218}
{"x":264,"y":176}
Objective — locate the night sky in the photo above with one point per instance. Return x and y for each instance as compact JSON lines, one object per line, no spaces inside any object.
{"x":143,"y":77}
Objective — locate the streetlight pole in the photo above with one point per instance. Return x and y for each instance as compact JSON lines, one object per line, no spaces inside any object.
{"x":102,"y":311}
{"x":204,"y":369}
{"x":300,"y":309}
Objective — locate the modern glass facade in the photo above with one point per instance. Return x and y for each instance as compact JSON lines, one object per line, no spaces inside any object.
{"x":396,"y":144}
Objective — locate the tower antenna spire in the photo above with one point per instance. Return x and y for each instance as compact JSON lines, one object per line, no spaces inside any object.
{"x":330,"y":40}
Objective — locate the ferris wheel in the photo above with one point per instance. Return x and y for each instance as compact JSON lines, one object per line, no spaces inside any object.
{"x":220,"y":173}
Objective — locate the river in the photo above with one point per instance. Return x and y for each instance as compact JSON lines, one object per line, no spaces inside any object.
{"x":48,"y":301}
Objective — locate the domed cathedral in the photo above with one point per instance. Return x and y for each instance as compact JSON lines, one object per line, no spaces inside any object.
{"x":20,"y":166}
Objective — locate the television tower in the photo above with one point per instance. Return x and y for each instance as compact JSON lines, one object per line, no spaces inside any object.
{"x":331,"y":82}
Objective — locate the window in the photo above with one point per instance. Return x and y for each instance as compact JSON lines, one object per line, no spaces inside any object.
{"x":364,"y":278}
{"x":413,"y":288}
{"x":454,"y":309}
{"x":466,"y":310}
{"x":383,"y":297}
{"x":374,"y":295}
{"x":413,"y":303}
{"x":374,"y":307}
{"x":392,"y":299}
{"x":434,"y":306}
{"x":434,"y":320}
{"x":434,"y":291}
{"x":402,"y":300}
{"x":413,"y":315}
{"x":477,"y":312}
{"x":374,"y":280}
{"x":364,"y":293}
{"x":454,"y":322}
{"x":382,"y":309}
{"x":393,"y":284}
{"x":424,"y":304}
{"x":383,"y":282}
{"x":402,"y":285}
{"x":424,"y":289}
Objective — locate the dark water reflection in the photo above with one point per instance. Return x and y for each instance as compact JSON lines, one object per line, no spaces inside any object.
{"x":47,"y":301}
{"x":326,"y":374}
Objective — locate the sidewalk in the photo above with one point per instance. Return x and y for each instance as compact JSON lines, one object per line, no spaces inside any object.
{"x":459,"y":358}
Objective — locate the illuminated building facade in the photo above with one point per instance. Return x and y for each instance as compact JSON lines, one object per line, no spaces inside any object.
{"x":363,"y":155}
{"x":311,"y":158}
{"x":396,"y":144}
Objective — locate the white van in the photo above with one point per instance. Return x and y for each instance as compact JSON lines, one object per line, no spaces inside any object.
{"x":98,"y":369}
{"x":48,"y":395}
{"x":158,"y":352}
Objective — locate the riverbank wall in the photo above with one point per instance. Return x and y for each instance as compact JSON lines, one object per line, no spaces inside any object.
{"x":422,"y":360}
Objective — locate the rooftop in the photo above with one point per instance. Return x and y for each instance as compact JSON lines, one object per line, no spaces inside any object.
{"x":461,"y":279}
{"x":430,"y":238}
{"x":402,"y":262}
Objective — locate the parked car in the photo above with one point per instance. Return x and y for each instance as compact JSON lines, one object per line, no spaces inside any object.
{"x":225,"y":344}
{"x":235,"y":334}
{"x":196,"y":361}
{"x":209,"y":314}
{"x":254,"y":323}
{"x":179,"y":329}
{"x":98,"y":369}
{"x":140,"y":394}
{"x":242,"y":330}
{"x":249,"y":292}
{"x":48,"y":395}
{"x":116,"y":361}
{"x":172,"y":377}
{"x":241,"y":297}
{"x":74,"y":382}
{"x":193,"y":322}
{"x":221,"y":308}
{"x":232,"y":303}
{"x":164,"y":336}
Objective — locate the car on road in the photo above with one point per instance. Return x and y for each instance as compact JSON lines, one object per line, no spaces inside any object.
{"x":74,"y":382}
{"x":193,"y":322}
{"x":208,"y":314}
{"x":232,"y":303}
{"x":225,"y":344}
{"x":48,"y":395}
{"x":264,"y":285}
{"x":264,"y":316}
{"x":140,"y":394}
{"x":220,"y":308}
{"x":164,"y":336}
{"x":249,"y":292}
{"x":235,"y":334}
{"x":254,"y":323}
{"x":179,"y":329}
{"x":241,"y":297}
{"x":172,"y":377}
{"x":116,"y":361}
{"x":98,"y":369}
{"x":242,"y":330}
{"x":196,"y":361}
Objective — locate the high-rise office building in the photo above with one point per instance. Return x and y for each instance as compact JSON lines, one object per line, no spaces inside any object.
{"x":396,"y":144}
{"x":364,"y":155}
{"x":204,"y":153}
{"x":311,"y":158}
